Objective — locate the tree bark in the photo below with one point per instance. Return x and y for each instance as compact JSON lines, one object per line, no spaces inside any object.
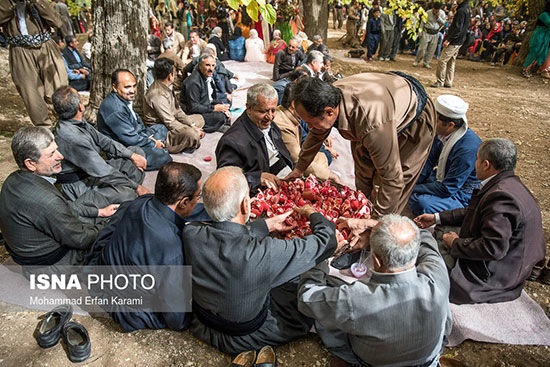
{"x":535,"y":8}
{"x":316,"y":18}
{"x":120,"y":41}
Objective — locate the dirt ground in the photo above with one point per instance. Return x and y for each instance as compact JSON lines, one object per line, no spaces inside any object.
{"x":502,"y":104}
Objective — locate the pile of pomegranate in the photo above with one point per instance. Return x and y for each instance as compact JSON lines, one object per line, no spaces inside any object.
{"x":330,"y":200}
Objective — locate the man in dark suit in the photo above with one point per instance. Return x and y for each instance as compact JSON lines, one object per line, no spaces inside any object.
{"x":200,"y":95}
{"x":77,"y":64}
{"x":39,"y":225}
{"x":500,"y":237}
{"x":254,"y":143}
{"x":287,"y":60}
{"x":117,"y":119}
{"x":244,"y":281}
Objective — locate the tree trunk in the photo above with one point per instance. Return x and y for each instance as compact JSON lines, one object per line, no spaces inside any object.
{"x":120,"y":41}
{"x":535,"y":8}
{"x":316,"y":18}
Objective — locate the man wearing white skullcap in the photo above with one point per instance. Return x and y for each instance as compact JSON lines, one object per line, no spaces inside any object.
{"x":449,"y":176}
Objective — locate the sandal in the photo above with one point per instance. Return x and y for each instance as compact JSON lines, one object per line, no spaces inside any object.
{"x":526,"y":73}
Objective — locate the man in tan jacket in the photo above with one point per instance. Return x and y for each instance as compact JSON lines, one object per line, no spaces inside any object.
{"x":193,"y":47}
{"x":161,"y":107}
{"x":390,"y":122}
{"x":36,"y":66}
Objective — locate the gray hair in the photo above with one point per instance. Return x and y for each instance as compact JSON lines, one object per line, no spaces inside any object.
{"x":263,"y":89}
{"x":222,"y":202}
{"x":28,"y":143}
{"x":297,"y":40}
{"x":317,"y":37}
{"x":65,"y":102}
{"x":203,"y":56}
{"x":314,"y":55}
{"x":215,"y":32}
{"x":395,"y":241}
{"x":500,"y":152}
{"x":167,"y":43}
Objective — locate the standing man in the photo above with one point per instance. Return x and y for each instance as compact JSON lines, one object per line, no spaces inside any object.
{"x":390,"y":122}
{"x":118,"y":120}
{"x":338,"y":14}
{"x":63,"y":10}
{"x":455,"y":37}
{"x":36,"y":66}
{"x":429,"y":39}
{"x":387,"y":23}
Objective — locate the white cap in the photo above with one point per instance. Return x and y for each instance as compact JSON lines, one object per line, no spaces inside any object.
{"x":451,"y":106}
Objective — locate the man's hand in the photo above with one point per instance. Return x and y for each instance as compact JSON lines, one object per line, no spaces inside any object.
{"x":333,"y":153}
{"x":235,"y":76}
{"x":270,"y":181}
{"x":328,"y":143}
{"x":84,"y":71}
{"x":139,"y":161}
{"x":294,"y":174}
{"x":359,"y":231}
{"x":142,"y":190}
{"x":305,"y":210}
{"x":228,"y":96}
{"x":277,"y":223}
{"x":334,"y":178}
{"x":199,"y":131}
{"x":221,"y":107}
{"x":445,"y":44}
{"x":107,"y":211}
{"x":448,"y":238}
{"x":158,"y":144}
{"x":425,"y":220}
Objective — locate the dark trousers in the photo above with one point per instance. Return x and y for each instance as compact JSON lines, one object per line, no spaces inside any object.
{"x":372,"y":44}
{"x":213,"y":121}
{"x":157,"y":157}
{"x":80,"y":84}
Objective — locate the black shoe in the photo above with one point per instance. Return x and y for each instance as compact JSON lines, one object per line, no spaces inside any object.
{"x":436,"y":85}
{"x":545,"y":275}
{"x":77,"y":340}
{"x":50,"y":328}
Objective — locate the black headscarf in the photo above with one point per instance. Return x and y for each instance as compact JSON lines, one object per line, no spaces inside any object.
{"x":237,"y":33}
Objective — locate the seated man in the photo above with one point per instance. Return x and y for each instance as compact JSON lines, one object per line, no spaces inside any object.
{"x":453,"y":152}
{"x":193,"y":47}
{"x":318,"y":45}
{"x":200,"y":96}
{"x":147,"y":231}
{"x":244,"y":296}
{"x":254,"y":144}
{"x":39,"y":225}
{"x":161,"y":107}
{"x":399,"y":316}
{"x":84,"y":170}
{"x":176,"y":37}
{"x":314,"y":63}
{"x":81,"y":70}
{"x":178,"y":63}
{"x":500,"y":237}
{"x":287,"y":60}
{"x":116,"y":119}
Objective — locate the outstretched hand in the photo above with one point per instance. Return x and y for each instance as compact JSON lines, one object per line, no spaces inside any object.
{"x":277,"y":223}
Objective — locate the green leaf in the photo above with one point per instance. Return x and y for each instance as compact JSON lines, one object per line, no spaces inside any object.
{"x":246,"y":2}
{"x":252,"y":10}
{"x":261,"y":3}
{"x":234,"y":4}
{"x":271,"y":16}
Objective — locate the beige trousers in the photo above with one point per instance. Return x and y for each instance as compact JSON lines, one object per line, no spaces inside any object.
{"x":446,"y":67}
{"x":184,"y":137}
{"x":37,"y":73}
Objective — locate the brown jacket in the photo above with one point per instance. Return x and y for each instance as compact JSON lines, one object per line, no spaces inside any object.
{"x":179,"y":43}
{"x":46,"y":10}
{"x":501,"y":239}
{"x":374,"y":109}
{"x":178,"y":64}
{"x":291,"y":132}
{"x":186,"y":54}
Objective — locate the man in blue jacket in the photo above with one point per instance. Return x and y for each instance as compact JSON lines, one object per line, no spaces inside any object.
{"x":449,"y":176}
{"x":118,"y":120}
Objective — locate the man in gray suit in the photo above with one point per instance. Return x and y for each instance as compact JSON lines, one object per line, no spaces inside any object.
{"x":244,"y":281}
{"x":40,"y":226}
{"x":399,"y":316}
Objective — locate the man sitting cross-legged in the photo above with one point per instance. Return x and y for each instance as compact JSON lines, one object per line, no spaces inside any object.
{"x":84,"y":170}
{"x":161,"y":107}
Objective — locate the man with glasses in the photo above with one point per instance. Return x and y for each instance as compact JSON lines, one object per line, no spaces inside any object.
{"x":148,"y":232}
{"x":287,"y":60}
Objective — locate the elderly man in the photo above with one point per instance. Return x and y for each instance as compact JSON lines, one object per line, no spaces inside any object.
{"x":453,"y":153}
{"x":254,"y":143}
{"x":429,"y":39}
{"x":84,"y":170}
{"x":500,"y":237}
{"x":117,"y":119}
{"x":147,"y":231}
{"x":399,"y":316}
{"x":36,"y":66}
{"x":200,"y":95}
{"x":391,"y":124}
{"x":318,"y":45}
{"x":39,"y":225}
{"x":193,"y":47}
{"x":243,"y":293}
{"x":161,"y":107}
{"x":314,"y":63}
{"x":178,"y":40}
{"x":287,"y":60}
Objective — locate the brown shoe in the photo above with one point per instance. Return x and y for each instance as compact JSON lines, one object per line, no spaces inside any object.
{"x":266,"y":357}
{"x":245,"y":359}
